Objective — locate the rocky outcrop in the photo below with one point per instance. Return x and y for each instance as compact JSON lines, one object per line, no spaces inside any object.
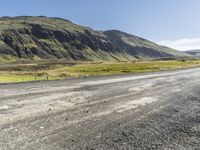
{"x":54,"y":38}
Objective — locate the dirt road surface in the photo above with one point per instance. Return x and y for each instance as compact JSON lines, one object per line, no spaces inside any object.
{"x":137,"y":112}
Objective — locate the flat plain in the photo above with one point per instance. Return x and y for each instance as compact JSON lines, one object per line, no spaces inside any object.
{"x":56,"y":70}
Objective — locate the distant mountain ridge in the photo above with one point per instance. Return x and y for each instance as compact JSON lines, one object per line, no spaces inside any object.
{"x":56,"y":38}
{"x":195,"y":53}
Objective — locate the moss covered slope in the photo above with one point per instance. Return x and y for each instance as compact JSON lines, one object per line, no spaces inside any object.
{"x":54,"y":38}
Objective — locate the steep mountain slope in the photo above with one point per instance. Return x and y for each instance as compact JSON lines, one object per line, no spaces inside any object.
{"x":195,"y":53}
{"x":55,"y":38}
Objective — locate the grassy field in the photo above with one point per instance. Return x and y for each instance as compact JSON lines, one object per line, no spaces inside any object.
{"x":22,"y":72}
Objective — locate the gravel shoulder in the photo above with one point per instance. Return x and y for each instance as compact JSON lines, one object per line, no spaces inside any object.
{"x":150,"y":111}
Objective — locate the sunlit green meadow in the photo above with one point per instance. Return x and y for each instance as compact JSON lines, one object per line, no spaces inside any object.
{"x":38,"y":72}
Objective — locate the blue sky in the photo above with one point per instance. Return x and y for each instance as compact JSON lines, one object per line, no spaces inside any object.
{"x":173,"y":23}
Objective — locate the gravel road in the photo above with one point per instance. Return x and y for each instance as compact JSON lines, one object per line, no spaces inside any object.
{"x":138,"y":112}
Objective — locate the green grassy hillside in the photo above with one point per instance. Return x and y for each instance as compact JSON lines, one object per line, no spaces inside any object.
{"x":37,"y":38}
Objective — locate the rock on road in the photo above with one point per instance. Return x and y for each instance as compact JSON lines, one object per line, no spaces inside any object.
{"x":137,"y":112}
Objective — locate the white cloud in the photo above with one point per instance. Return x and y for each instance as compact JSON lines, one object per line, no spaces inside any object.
{"x":182,"y":44}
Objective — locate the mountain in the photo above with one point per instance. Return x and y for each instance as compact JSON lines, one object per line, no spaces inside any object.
{"x":195,"y":53}
{"x":42,"y":37}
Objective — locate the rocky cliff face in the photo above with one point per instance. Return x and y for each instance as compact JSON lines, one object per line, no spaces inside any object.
{"x":55,"y":38}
